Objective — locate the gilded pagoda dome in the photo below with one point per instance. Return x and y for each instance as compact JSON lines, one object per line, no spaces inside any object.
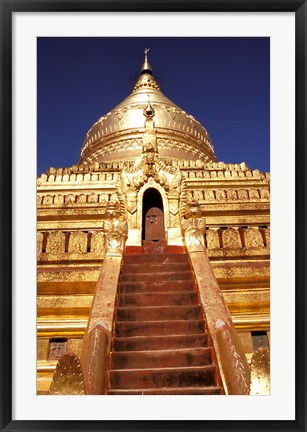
{"x":118,"y":134}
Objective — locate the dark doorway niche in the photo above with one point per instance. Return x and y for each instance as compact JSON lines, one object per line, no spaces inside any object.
{"x":153,"y":216}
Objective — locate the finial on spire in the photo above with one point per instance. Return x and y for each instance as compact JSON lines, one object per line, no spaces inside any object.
{"x":146,"y":68}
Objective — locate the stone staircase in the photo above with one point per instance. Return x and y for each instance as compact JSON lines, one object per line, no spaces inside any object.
{"x":160,"y":344}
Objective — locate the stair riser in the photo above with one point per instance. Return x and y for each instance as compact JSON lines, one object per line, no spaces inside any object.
{"x":153,"y":328}
{"x":144,"y":277}
{"x":170,"y":391}
{"x":158,"y":359}
{"x":156,"y":258}
{"x":157,"y":343}
{"x":159,"y":313}
{"x":155,"y":268}
{"x":158,"y":286}
{"x":158,"y":299}
{"x":148,"y":379}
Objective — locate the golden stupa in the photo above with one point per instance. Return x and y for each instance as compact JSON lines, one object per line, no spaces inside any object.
{"x":120,"y":131}
{"x":153,"y":260}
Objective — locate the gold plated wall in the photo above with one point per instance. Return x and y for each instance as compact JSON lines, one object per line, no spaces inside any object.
{"x":71,"y":209}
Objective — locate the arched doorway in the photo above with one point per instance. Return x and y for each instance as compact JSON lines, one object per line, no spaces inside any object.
{"x":153,"y":216}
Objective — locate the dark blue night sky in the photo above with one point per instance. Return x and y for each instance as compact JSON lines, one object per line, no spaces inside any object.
{"x":223,"y":82}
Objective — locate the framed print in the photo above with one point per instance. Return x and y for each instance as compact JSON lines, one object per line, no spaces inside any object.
{"x":157,"y":272}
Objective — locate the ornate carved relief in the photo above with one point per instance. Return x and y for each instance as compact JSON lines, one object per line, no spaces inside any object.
{"x":253,"y":194}
{"x":48,"y":199}
{"x":220,"y":195}
{"x":56,"y":242}
{"x":265,"y":194}
{"x":231,"y":239}
{"x":87,"y":177}
{"x":209,"y":195}
{"x":81,"y":199}
{"x":153,"y":169}
{"x":198,"y":195}
{"x":57,"y":349}
{"x":194,"y":227}
{"x":267,"y":236}
{"x":58,"y":200}
{"x":97,"y":242}
{"x":92,"y":198}
{"x":39,"y":242}
{"x":243,"y":195}
{"x":231,"y":194}
{"x":253,"y":237}
{"x":115,"y":230}
{"x":70,"y":199}
{"x":189,"y":195}
{"x":103,"y":198}
{"x":77,"y":242}
{"x":212,"y":237}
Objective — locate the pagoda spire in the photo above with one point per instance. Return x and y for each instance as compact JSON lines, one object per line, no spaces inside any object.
{"x":146,"y":68}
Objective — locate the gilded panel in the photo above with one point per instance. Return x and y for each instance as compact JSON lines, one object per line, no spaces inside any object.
{"x":74,"y":346}
{"x":253,"y":194}
{"x":70,"y":199}
{"x":267,"y":236}
{"x":198,"y":195}
{"x":231,"y":238}
{"x":77,"y":242}
{"x":48,"y":199}
{"x":243,"y":195}
{"x":209,"y":195}
{"x":97,"y":242}
{"x":39,"y":242}
{"x":220,"y":195}
{"x":92,"y":198}
{"x":265,"y":194}
{"x":81,"y":199}
{"x":232,"y":195}
{"x":58,"y":200}
{"x":253,"y":237}
{"x":212,"y":237}
{"x":56,"y":242}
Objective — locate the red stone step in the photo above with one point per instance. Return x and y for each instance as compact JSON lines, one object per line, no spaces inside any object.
{"x":157,"y":286}
{"x":158,"y":313}
{"x":212,"y":390}
{"x":161,"y":358}
{"x":155,"y":268}
{"x":156,"y":258}
{"x":197,"y":376}
{"x":142,"y":343}
{"x":158,"y":328}
{"x":158,"y":299}
{"x":160,"y":344}
{"x":155,"y":247}
{"x":162,"y":276}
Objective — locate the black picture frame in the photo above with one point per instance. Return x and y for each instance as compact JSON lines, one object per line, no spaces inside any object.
{"x":7,"y":8}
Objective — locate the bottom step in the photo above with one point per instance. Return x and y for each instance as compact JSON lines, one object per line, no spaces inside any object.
{"x":168,"y":391}
{"x":198,"y":376}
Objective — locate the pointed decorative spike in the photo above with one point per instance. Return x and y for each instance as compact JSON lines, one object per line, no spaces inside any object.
{"x":146,"y":68}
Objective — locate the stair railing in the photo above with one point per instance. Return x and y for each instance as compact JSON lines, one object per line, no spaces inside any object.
{"x":97,"y":339}
{"x":231,"y":359}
